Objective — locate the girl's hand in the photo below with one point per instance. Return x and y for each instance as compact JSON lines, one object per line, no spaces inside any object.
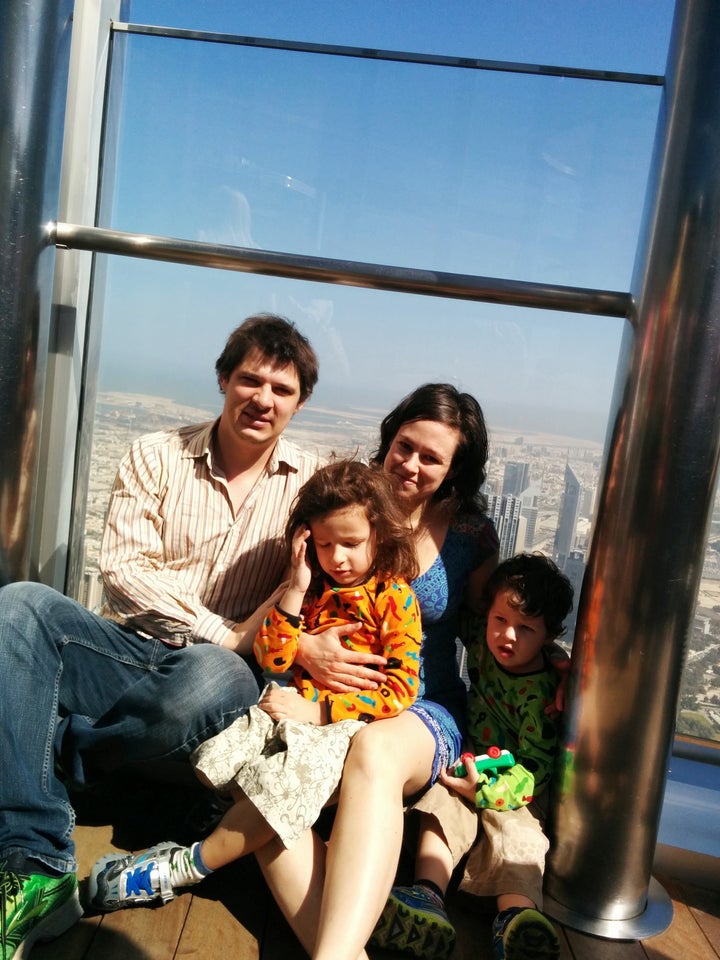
{"x":465,"y":786}
{"x":300,"y":572}
{"x":287,"y":704}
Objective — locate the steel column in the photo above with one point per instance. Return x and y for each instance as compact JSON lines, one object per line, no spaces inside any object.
{"x":647,"y":551}
{"x":34,"y":56}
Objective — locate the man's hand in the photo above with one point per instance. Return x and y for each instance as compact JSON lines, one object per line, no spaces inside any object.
{"x":335,"y":667}
{"x":467,"y":785}
{"x":288,"y":704}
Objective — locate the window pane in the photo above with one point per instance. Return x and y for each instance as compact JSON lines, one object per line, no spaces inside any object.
{"x":628,"y":35}
{"x":544,"y":379}
{"x":422,"y":166}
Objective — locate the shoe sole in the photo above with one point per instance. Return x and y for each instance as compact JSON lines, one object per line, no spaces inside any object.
{"x":413,"y":933}
{"x":51,"y":926}
{"x":531,"y":940}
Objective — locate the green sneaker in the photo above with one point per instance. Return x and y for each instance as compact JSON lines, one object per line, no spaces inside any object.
{"x":522,"y":933}
{"x":34,"y":908}
{"x":415,"y":923}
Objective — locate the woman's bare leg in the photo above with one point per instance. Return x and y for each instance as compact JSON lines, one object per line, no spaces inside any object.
{"x":296,"y":878}
{"x":386,"y":762}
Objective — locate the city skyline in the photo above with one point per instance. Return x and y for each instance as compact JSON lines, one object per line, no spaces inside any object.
{"x":120,"y":417}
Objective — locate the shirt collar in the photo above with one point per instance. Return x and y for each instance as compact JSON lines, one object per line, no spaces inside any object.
{"x":199,"y":444}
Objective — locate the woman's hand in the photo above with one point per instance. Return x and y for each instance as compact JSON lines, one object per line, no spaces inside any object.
{"x":287,"y":704}
{"x":554,"y":709}
{"x":561,"y":661}
{"x":466,"y":786}
{"x":335,"y":667}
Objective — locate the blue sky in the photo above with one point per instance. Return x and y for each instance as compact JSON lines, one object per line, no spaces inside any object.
{"x":495,"y":174}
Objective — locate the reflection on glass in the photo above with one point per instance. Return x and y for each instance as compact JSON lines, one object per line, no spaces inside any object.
{"x":418,"y":165}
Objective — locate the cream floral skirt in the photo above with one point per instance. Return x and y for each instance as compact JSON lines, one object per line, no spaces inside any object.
{"x":287,"y":768}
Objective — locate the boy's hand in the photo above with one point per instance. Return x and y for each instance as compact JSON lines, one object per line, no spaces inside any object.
{"x":332,"y":665}
{"x":467,"y":785}
{"x":288,"y":704}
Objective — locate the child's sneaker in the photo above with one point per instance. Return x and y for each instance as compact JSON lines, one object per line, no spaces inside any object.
{"x":415,"y":923}
{"x":121,"y":880}
{"x":522,"y":933}
{"x":35,"y":907}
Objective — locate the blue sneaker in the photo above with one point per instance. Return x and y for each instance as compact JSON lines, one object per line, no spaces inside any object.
{"x":123,"y":880}
{"x":522,"y":933}
{"x":34,"y":908}
{"x":415,"y":923}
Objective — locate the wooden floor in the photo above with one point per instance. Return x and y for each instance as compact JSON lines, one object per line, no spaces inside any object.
{"x":231,"y":915}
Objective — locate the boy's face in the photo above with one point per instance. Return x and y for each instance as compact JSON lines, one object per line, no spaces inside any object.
{"x":513,"y":638}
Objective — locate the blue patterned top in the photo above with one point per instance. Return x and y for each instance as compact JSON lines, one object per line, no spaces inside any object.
{"x":470,"y":541}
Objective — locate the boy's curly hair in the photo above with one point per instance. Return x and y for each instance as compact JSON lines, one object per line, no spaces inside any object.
{"x":539,"y":589}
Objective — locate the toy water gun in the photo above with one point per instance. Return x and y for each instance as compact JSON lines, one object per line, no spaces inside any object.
{"x":491,"y":762}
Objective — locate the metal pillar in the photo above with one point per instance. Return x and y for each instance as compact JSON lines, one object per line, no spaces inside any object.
{"x":646,"y":557}
{"x":34,"y":56}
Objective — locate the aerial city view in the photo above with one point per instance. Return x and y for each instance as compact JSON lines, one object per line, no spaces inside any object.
{"x":541,"y":492}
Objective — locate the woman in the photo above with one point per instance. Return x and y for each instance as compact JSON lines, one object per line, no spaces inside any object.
{"x":434,"y":445}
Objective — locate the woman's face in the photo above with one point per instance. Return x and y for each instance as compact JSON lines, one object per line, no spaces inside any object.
{"x":420,"y":457}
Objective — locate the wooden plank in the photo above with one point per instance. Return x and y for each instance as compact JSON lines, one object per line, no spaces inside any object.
{"x":211,"y":930}
{"x":586,"y":947}
{"x":141,"y":933}
{"x":229,"y":910}
{"x":695,"y":929}
{"x":704,"y":905}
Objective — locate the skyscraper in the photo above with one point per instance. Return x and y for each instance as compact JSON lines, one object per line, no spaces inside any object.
{"x":567,"y":518}
{"x":505,"y":513}
{"x":574,"y":571}
{"x":530,"y":514}
{"x":515,"y":478}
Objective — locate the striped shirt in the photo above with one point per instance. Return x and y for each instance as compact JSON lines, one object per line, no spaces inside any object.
{"x":177,"y":563}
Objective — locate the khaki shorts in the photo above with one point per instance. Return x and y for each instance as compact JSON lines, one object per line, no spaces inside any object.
{"x":507,"y":849}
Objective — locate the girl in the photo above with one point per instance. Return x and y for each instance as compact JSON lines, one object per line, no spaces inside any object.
{"x":350,"y":563}
{"x":434,"y":448}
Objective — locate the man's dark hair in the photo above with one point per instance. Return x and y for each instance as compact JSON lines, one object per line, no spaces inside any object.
{"x":275,"y":338}
{"x":539,"y":589}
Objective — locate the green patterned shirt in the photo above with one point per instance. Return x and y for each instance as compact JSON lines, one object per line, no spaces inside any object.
{"x":507,"y":710}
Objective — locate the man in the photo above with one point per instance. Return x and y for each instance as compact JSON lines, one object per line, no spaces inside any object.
{"x":192,"y":548}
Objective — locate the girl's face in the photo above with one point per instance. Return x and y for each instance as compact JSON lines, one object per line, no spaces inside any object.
{"x":420,"y":457}
{"x":345,"y":545}
{"x":513,"y":638}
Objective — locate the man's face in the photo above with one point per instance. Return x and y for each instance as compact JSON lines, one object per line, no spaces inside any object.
{"x":260,"y":398}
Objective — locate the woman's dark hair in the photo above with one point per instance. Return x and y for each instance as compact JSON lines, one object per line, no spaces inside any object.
{"x":539,"y":589}
{"x":348,"y":483}
{"x":278,"y":340}
{"x":443,"y":403}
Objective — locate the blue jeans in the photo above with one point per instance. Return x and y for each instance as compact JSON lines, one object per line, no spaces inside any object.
{"x":80,"y":691}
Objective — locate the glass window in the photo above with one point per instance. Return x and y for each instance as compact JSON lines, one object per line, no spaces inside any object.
{"x":414,"y":165}
{"x":434,"y":168}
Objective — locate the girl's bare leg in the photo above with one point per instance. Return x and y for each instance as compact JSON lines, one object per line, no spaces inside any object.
{"x":241,"y":831}
{"x":386,"y":762}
